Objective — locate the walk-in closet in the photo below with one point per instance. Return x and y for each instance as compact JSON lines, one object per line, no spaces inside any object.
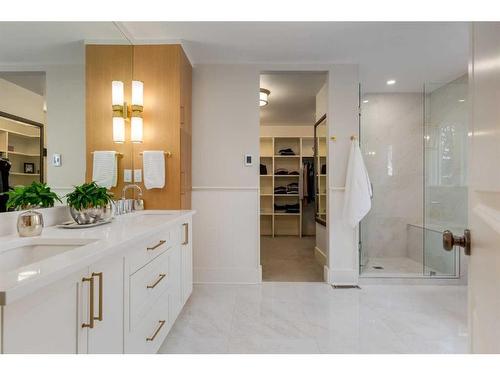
{"x":293,"y":175}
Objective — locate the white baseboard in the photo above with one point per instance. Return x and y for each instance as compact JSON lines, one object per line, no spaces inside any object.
{"x":227,"y":275}
{"x":320,"y":256}
{"x":344,"y":276}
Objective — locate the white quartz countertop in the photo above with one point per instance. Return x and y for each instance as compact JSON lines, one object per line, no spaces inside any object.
{"x":105,"y":240}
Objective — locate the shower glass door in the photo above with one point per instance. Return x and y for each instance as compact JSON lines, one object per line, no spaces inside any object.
{"x":445,"y":156}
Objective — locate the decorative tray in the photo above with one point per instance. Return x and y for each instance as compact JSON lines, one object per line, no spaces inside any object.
{"x":75,"y":225}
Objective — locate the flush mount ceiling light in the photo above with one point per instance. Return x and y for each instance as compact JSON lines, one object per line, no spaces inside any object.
{"x":365,"y":101}
{"x":391,"y":82}
{"x":264,"y":97}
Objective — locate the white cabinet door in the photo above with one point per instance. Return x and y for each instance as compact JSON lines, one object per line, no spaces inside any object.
{"x":105,"y":330}
{"x":46,"y":321}
{"x":186,"y":259}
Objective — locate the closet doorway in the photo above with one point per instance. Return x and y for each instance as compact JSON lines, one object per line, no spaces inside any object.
{"x":293,"y":169}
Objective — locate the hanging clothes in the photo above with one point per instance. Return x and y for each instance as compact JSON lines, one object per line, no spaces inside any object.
{"x":4,"y":183}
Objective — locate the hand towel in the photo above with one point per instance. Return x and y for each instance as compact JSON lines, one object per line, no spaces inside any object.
{"x":105,"y":168}
{"x":358,"y":191}
{"x":154,"y":169}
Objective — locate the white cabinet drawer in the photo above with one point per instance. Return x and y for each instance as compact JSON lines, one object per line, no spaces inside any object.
{"x":147,"y":284}
{"x":146,"y":250}
{"x":152,"y":330}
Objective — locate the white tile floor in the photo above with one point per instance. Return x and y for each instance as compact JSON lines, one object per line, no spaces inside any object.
{"x":314,"y":318}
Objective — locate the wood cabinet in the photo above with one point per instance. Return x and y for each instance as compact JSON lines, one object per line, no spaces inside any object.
{"x":166,"y":73}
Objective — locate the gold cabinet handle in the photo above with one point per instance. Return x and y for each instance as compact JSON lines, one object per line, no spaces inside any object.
{"x":90,"y":324}
{"x":160,"y":278}
{"x":162,"y":323}
{"x":186,"y":233}
{"x":157,"y":245}
{"x":99,"y":276}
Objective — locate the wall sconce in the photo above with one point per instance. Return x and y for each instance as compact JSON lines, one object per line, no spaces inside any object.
{"x":121,"y":112}
{"x":136,"y":125}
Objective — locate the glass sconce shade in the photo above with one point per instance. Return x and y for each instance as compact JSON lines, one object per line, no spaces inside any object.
{"x":137,"y":93}
{"x":136,"y":129}
{"x":117,"y":95}
{"x":118,"y":129}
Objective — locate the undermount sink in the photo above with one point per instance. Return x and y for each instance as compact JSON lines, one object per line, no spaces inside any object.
{"x":27,"y":251}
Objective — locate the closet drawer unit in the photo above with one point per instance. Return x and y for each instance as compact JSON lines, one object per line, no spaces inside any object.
{"x":146,"y":251}
{"x":147,"y":285}
{"x":148,"y":336}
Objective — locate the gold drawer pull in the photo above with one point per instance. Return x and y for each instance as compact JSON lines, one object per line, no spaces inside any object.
{"x":162,"y":323}
{"x":160,"y":278}
{"x":90,"y":324}
{"x":186,"y":234}
{"x":157,"y":245}
{"x":99,"y":276}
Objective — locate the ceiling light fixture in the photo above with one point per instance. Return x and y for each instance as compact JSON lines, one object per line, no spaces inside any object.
{"x":391,"y":82}
{"x":264,"y":97}
{"x":365,"y":101}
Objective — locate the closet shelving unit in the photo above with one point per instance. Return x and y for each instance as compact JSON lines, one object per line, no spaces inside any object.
{"x":21,"y":142}
{"x":281,"y":223}
{"x":321,"y":178}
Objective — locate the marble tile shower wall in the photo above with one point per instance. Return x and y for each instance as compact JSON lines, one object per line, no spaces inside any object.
{"x":392,"y":144}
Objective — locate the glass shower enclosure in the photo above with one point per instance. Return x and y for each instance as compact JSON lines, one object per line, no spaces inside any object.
{"x":415,"y":150}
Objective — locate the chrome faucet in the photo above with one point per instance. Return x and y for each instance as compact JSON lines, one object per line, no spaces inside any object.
{"x":125,"y":205}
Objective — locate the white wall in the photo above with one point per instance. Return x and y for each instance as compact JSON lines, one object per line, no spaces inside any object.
{"x":343,"y":122}
{"x":21,"y":102}
{"x":65,"y":97}
{"x":225,"y":192}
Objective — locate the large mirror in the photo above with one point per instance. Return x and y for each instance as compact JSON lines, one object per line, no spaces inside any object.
{"x":43,"y":109}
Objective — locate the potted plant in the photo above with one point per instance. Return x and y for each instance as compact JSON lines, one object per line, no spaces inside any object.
{"x":89,"y":203}
{"x":36,"y":195}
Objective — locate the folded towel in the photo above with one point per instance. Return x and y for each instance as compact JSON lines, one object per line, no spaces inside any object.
{"x":154,"y":169}
{"x":105,"y":169}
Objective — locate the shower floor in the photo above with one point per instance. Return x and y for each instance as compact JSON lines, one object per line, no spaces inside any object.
{"x":393,"y":267}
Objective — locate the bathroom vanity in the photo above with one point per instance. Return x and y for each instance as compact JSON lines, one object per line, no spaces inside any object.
{"x":116,"y":288}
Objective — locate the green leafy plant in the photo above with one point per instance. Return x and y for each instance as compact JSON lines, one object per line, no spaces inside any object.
{"x":89,"y":195}
{"x":35,"y":195}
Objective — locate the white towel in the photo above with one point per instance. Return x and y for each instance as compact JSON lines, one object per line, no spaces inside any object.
{"x":154,"y":169}
{"x":358,"y":190}
{"x":105,"y":168}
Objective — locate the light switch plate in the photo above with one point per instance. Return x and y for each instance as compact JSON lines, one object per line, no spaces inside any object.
{"x":127,"y":175}
{"x":248,"y":160}
{"x":137,"y":175}
{"x":56,"y":160}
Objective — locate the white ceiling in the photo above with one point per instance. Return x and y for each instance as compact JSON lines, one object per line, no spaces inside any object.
{"x":293,"y":97}
{"x":411,"y":53}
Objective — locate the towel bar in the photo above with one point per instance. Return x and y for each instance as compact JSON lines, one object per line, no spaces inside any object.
{"x":167,"y":153}
{"x":118,"y":154}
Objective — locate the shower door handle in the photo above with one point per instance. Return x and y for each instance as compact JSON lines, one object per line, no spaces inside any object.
{"x":450,"y":241}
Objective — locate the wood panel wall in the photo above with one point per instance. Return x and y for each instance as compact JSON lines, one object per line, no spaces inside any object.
{"x":166,"y":73}
{"x":106,"y":63}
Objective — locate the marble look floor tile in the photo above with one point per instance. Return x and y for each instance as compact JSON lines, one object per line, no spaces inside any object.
{"x":314,"y":317}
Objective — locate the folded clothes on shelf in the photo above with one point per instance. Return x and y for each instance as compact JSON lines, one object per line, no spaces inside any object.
{"x":287,"y":208}
{"x":292,"y":188}
{"x":280,"y":190}
{"x":286,"y":151}
{"x":285,"y":172}
{"x":263,"y":169}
